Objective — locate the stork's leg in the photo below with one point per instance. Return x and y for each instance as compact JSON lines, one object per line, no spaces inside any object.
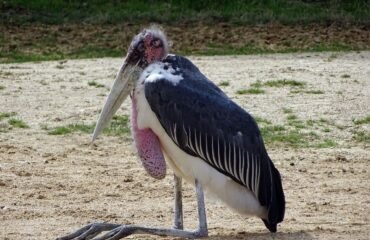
{"x":178,"y":222}
{"x":203,"y":228}
{"x":121,"y":231}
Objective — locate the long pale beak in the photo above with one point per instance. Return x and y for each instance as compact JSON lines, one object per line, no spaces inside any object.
{"x":121,"y":88}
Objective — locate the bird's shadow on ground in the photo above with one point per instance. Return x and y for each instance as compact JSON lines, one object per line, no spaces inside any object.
{"x":263,"y":236}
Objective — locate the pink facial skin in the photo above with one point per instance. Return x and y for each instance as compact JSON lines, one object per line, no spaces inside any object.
{"x":148,"y":147}
{"x":153,"y":50}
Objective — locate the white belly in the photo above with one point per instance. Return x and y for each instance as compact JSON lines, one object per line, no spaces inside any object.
{"x":190,"y":168}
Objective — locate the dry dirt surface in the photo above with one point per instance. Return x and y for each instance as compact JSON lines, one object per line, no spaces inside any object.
{"x":51,"y":185}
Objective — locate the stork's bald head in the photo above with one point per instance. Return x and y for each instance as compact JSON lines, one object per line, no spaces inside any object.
{"x":147,"y":47}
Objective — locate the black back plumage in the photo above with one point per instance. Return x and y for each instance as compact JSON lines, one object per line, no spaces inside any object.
{"x":204,"y":122}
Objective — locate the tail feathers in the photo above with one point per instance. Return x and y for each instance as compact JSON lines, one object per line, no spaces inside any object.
{"x":276,"y":208}
{"x":271,"y":227}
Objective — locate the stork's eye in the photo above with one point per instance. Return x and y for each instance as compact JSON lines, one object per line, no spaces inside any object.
{"x":156,"y":43}
{"x":140,"y":47}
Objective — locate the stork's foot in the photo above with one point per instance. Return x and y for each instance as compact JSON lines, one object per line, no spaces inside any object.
{"x":90,"y":231}
{"x":117,"y":231}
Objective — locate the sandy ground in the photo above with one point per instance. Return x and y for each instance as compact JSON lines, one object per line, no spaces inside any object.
{"x":52,"y":185}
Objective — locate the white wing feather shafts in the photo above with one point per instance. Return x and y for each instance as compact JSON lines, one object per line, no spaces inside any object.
{"x":226,"y":156}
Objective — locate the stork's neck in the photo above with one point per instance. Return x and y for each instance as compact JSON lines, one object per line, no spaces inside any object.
{"x":133,"y":112}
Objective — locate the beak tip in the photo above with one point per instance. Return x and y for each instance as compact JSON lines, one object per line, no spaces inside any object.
{"x":95,"y":135}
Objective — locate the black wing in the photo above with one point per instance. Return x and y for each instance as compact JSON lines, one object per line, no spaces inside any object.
{"x":205,"y":123}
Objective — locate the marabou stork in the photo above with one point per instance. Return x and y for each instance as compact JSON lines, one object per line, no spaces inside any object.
{"x":181,"y":118}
